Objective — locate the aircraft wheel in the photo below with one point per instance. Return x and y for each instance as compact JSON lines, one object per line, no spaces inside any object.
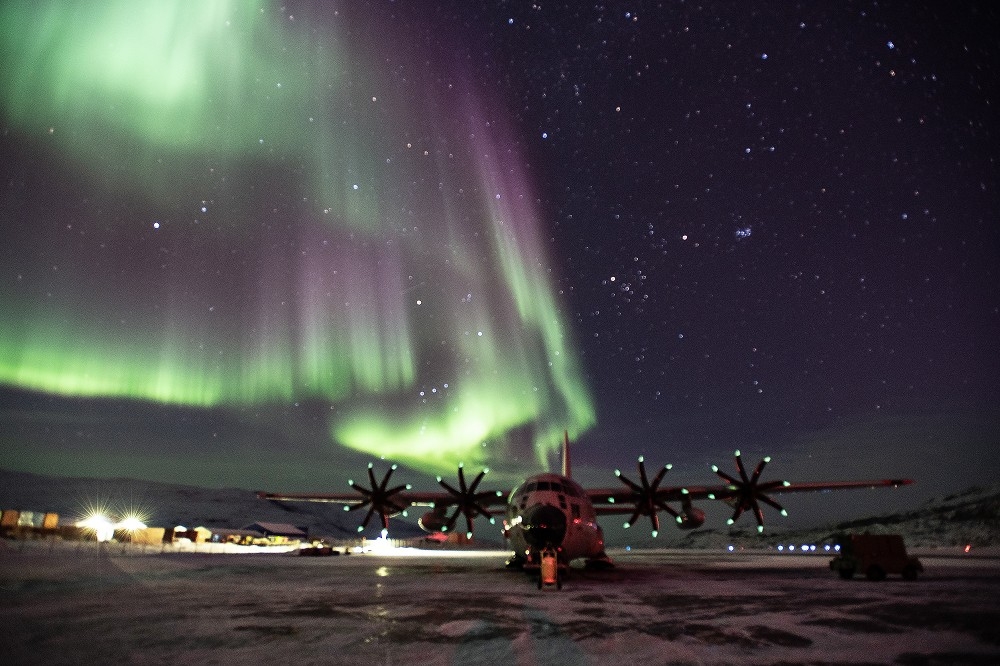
{"x":909,"y":572}
{"x":875,"y":572}
{"x":846,"y":573}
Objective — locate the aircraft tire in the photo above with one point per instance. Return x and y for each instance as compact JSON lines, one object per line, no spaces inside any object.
{"x":875,"y":572}
{"x":909,"y":572}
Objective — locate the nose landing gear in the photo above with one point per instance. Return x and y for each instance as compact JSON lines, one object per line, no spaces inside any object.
{"x":548,"y":571}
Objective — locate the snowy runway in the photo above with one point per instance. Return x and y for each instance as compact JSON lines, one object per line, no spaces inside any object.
{"x":65,"y":606}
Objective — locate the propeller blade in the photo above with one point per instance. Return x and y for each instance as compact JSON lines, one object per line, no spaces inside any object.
{"x":378,"y":498}
{"x":748,"y":492}
{"x":646,"y":503}
{"x":739,"y":465}
{"x":467,"y":501}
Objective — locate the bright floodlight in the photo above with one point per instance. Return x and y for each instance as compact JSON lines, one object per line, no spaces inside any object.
{"x":103,"y":529}
{"x":131,"y":524}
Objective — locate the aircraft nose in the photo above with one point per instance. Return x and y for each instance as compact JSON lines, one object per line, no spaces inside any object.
{"x":544,"y":525}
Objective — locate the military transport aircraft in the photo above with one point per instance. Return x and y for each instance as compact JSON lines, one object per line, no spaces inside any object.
{"x":552,"y":512}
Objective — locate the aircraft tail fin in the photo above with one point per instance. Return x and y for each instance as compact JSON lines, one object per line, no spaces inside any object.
{"x":566,"y":471}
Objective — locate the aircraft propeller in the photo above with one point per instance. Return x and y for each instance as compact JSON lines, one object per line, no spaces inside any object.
{"x":378,"y":498}
{"x":467,"y":501}
{"x":647,"y":503}
{"x":748,"y":492}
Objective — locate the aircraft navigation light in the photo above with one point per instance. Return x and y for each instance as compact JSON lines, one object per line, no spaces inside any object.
{"x":715,"y":468}
{"x":760,"y":529}
{"x":655,"y":533}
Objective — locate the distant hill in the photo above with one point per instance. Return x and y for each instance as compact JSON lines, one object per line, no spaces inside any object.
{"x":169,"y":505}
{"x":972,"y":516}
{"x":968,"y":517}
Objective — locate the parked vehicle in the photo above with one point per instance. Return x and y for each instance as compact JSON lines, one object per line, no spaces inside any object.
{"x":874,"y":555}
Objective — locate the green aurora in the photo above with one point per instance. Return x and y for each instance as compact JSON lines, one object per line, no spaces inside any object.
{"x":229,"y":206}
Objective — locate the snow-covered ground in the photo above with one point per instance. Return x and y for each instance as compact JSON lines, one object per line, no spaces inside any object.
{"x":79,"y":603}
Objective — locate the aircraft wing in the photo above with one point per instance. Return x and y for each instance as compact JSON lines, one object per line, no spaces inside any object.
{"x":403,"y":498}
{"x":387,"y":501}
{"x":620,"y":500}
{"x":744,"y":493}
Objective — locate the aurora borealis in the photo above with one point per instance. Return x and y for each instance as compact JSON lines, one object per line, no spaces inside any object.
{"x":291,"y":238}
{"x":228,"y":206}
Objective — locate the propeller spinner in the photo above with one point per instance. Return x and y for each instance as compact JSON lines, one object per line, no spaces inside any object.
{"x":647,"y":503}
{"x":748,"y":492}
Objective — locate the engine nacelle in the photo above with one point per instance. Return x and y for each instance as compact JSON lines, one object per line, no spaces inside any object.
{"x":691,"y":518}
{"x":434,"y":520}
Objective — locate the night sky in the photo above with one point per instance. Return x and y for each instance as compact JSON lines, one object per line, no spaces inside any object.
{"x":254,"y":244}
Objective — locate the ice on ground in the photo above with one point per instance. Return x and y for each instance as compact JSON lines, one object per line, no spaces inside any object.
{"x":66,"y":604}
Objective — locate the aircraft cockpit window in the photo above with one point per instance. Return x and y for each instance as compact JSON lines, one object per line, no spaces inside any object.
{"x":531,"y":487}
{"x":556,"y":486}
{"x":543,"y":485}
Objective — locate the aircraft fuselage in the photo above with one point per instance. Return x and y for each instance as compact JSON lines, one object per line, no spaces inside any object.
{"x":551,"y":510}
